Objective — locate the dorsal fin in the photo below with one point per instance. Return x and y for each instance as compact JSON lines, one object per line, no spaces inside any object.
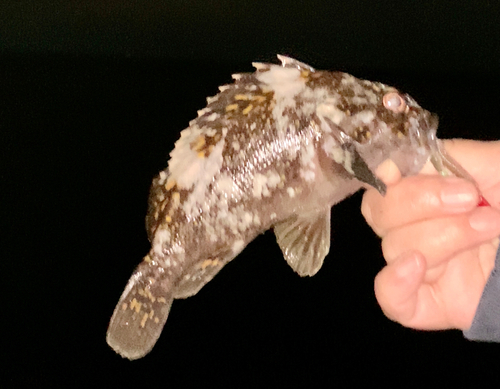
{"x":288,"y":62}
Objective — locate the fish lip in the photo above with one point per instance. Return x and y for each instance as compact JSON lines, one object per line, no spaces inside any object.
{"x":432,"y":143}
{"x":433,"y":122}
{"x":444,"y":163}
{"x":425,"y":133}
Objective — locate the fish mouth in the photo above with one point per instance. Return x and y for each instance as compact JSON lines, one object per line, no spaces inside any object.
{"x":433,"y":122}
{"x":443,"y":162}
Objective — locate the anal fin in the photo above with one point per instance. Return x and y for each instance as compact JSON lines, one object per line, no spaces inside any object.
{"x":305,"y":241}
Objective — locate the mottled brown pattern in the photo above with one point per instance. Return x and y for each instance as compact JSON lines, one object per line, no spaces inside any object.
{"x":277,"y":147}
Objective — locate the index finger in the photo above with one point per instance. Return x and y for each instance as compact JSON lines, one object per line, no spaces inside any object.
{"x":417,"y":198}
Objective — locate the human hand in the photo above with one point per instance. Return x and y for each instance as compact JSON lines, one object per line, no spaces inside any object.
{"x":439,"y":246}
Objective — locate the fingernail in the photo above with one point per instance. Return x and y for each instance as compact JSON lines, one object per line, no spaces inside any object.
{"x":458,"y":194}
{"x":484,"y":219}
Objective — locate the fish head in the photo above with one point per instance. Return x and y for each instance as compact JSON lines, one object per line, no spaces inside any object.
{"x":401,"y":131}
{"x":370,"y":122}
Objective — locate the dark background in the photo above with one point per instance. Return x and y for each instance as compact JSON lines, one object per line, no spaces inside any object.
{"x":93,"y":96}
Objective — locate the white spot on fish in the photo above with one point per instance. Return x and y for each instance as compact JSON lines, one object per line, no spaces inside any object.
{"x":365,"y":116}
{"x":331,"y":112}
{"x":238,"y":246}
{"x":212,"y":117}
{"x":163,"y":177}
{"x":248,"y":217}
{"x":162,"y":237}
{"x":273,"y":179}
{"x":225,"y":185}
{"x":259,"y":181}
{"x":190,"y":171}
{"x":337,"y":154}
{"x":286,"y":83}
{"x":203,"y":111}
{"x":263,"y":183}
{"x":211,"y":132}
{"x":177,"y":249}
{"x":307,"y":155}
{"x":308,"y":175}
{"x":348,"y":162}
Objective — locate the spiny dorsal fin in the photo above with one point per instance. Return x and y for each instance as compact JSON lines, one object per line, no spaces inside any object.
{"x":288,"y":62}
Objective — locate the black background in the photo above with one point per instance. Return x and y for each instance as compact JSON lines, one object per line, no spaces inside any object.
{"x":93,"y":96}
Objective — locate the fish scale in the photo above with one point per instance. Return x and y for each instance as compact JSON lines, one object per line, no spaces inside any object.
{"x":275,"y":149}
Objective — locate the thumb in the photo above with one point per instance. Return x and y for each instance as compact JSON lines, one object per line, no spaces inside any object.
{"x":397,"y":285}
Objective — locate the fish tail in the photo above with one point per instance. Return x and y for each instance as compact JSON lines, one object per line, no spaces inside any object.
{"x":141,"y":312}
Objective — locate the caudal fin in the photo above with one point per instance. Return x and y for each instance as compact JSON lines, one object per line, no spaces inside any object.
{"x":141,"y":312}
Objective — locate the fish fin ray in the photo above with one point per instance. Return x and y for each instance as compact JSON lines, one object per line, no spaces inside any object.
{"x":289,"y":62}
{"x":141,"y":312}
{"x":304,"y":241}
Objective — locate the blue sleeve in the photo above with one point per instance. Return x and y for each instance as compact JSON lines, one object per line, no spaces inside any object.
{"x":486,"y":323}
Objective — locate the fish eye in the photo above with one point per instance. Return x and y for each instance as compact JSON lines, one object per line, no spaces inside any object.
{"x":394,"y":102}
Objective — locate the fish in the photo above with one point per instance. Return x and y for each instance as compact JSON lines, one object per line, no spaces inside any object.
{"x":276,"y":149}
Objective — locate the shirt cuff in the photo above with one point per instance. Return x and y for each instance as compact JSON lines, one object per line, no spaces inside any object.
{"x":486,"y":323}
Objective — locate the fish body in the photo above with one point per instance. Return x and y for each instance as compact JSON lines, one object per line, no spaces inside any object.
{"x":275,"y":149}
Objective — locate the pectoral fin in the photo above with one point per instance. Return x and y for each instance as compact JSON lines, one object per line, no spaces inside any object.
{"x":305,"y":241}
